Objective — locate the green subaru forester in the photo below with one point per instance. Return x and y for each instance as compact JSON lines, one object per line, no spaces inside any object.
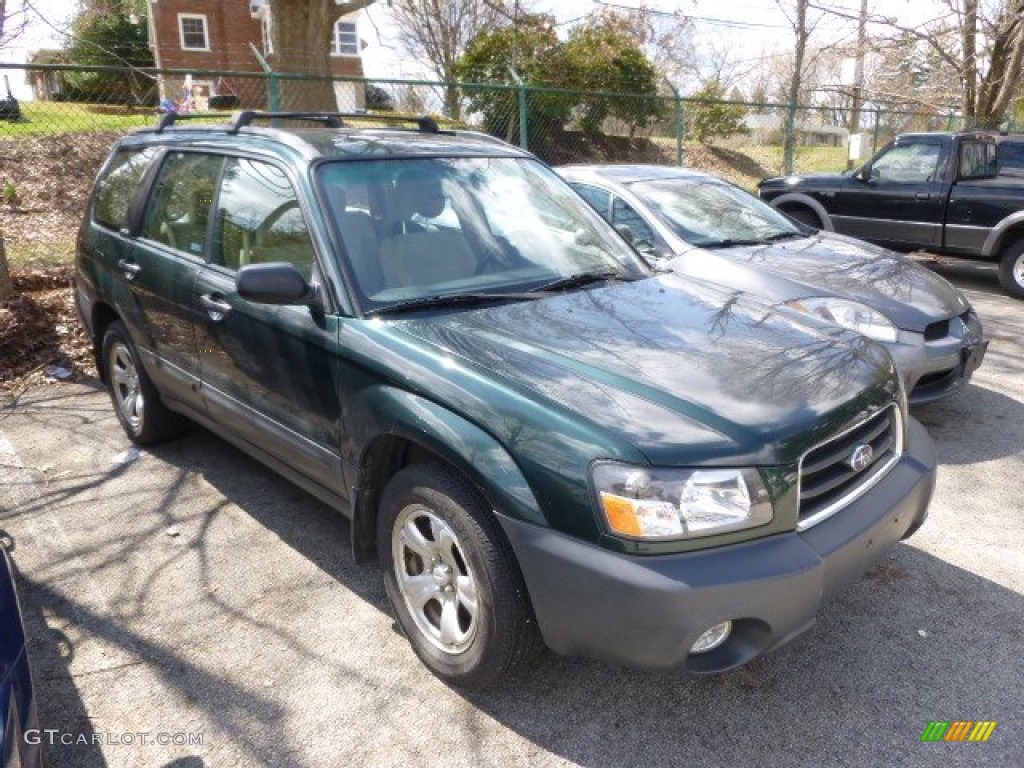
{"x":541,"y":440}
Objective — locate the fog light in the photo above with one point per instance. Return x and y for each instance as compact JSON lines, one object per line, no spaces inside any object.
{"x":713,"y":638}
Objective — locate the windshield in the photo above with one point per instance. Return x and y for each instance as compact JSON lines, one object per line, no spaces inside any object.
{"x":704,"y":212}
{"x":449,"y":226}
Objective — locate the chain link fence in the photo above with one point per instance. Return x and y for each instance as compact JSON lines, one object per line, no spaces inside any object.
{"x":559,"y":126}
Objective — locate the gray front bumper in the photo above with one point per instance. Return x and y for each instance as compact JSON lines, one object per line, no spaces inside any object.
{"x":932,"y":370}
{"x":648,"y":611}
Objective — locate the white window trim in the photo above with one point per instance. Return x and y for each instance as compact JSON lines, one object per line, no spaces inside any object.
{"x":334,"y":38}
{"x":267,"y":31}
{"x":206,"y":31}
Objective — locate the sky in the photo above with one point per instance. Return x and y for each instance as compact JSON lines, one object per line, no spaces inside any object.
{"x":748,"y":28}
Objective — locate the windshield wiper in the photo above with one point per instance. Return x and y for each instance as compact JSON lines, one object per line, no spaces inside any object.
{"x":783,"y":236}
{"x":728,"y":243}
{"x":580,"y":279}
{"x":448,"y":300}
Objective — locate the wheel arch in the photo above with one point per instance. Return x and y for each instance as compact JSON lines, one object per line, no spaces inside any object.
{"x":792,"y":200}
{"x":422,"y":431}
{"x":1003,"y":235}
{"x":102,"y":316}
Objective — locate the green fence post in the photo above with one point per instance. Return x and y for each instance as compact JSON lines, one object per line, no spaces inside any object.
{"x":679,"y":122}
{"x":273,"y":85}
{"x":524,"y":142}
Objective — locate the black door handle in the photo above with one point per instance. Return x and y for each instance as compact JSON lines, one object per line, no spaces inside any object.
{"x":923,"y":196}
{"x":130,"y":268}
{"x":215,"y":306}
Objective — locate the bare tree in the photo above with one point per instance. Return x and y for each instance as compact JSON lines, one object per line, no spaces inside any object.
{"x":302,"y":33}
{"x":438,"y":31}
{"x":797,"y":16}
{"x":980,"y":43}
{"x":13,"y":20}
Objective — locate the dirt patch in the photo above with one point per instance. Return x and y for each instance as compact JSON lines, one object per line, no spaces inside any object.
{"x":40,"y":336}
{"x":575,"y":147}
{"x":46,"y":182}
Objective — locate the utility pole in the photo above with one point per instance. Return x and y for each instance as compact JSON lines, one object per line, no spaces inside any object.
{"x":858,"y":69}
{"x":858,"y":73}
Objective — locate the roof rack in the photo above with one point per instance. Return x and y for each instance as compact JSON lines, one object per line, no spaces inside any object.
{"x":245,"y":117}
{"x":168,"y":119}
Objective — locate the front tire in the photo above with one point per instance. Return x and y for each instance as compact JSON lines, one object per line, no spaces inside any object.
{"x":137,"y":404}
{"x":805,"y":216}
{"x":1011,"y":270}
{"x":452,"y":579}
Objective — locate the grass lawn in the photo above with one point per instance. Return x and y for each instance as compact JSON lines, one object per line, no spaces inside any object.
{"x":45,"y":117}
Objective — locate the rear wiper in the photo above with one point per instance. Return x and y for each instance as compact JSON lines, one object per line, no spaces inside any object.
{"x":580,"y":279}
{"x":448,"y":300}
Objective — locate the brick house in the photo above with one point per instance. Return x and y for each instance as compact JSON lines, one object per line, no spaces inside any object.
{"x":208,"y":36}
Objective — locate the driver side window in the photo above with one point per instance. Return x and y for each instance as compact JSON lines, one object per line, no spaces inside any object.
{"x":908,"y":163}
{"x":624,"y":214}
{"x":259,"y":219}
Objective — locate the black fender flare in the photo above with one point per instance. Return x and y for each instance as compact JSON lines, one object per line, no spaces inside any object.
{"x":799,"y":198}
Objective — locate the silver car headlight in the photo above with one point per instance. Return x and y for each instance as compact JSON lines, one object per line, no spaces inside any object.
{"x":648,"y":503}
{"x":849,"y":314}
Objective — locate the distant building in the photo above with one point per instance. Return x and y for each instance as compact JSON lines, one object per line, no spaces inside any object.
{"x":768,"y":128}
{"x":46,"y":85}
{"x":219,"y":35}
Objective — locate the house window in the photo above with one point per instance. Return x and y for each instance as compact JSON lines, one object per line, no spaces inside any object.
{"x":193,"y":32}
{"x":344,"y":41}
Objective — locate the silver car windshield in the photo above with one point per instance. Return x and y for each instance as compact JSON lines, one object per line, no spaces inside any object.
{"x":419,"y":228}
{"x":711,"y":213}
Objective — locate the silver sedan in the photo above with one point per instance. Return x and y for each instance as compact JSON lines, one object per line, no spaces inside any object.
{"x":704,"y":227}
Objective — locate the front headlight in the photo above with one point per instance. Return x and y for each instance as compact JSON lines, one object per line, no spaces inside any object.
{"x":849,"y":314}
{"x":647,"y":503}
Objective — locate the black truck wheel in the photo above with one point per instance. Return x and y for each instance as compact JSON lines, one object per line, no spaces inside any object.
{"x":1011,"y":269}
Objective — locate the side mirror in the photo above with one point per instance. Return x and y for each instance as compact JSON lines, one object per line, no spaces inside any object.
{"x":276,"y":283}
{"x":863,"y":173}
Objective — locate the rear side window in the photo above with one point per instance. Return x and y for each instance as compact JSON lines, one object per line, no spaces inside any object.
{"x":179,"y":210}
{"x":1011,"y":157}
{"x":115,"y":188}
{"x":977,"y":160}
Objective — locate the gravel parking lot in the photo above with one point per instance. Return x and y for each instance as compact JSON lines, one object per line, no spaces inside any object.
{"x":185,"y":594}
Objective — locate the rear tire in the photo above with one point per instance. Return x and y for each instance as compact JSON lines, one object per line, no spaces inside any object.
{"x":452,"y":578}
{"x":137,"y":404}
{"x":1011,"y":270}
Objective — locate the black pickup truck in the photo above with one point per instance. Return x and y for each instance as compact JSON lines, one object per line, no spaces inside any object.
{"x":942,"y":192}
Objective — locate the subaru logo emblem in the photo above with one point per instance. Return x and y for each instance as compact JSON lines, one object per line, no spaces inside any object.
{"x":861,"y":457}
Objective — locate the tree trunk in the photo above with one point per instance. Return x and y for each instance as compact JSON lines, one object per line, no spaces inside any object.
{"x":1001,"y":82}
{"x":6,"y":286}
{"x":452,"y":102}
{"x":302,"y":45}
{"x":802,"y":33}
{"x":970,"y":74}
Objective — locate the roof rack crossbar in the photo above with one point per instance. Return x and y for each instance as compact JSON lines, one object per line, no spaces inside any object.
{"x":241,"y":119}
{"x":168,"y":119}
{"x":425,"y":123}
{"x":245,"y":117}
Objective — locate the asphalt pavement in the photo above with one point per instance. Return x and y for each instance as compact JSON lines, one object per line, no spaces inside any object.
{"x":186,"y":607}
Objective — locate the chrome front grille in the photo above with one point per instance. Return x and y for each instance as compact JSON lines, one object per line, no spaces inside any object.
{"x":834,"y":473}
